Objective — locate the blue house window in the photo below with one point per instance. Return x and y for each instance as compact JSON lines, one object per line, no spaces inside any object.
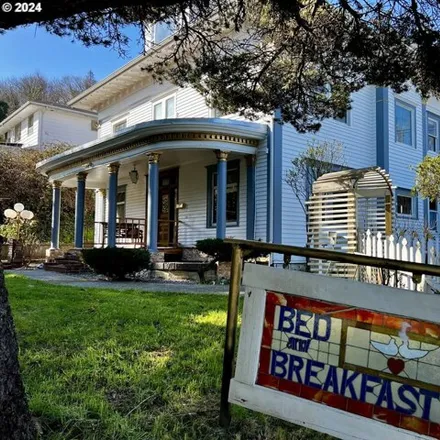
{"x":406,"y":204}
{"x":232,"y":194}
{"x":432,"y":134}
{"x":405,"y":123}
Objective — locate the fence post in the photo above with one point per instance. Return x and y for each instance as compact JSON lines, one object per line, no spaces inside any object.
{"x":404,"y":257}
{"x":418,"y":259}
{"x":231,"y":330}
{"x":368,"y":244}
{"x":392,"y":256}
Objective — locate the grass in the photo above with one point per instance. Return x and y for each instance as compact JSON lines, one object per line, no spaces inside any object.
{"x":102,"y":364}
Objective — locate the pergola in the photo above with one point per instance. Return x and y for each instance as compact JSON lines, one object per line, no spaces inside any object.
{"x":344,"y":204}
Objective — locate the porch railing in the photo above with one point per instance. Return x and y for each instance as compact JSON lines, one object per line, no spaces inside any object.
{"x":130,"y":232}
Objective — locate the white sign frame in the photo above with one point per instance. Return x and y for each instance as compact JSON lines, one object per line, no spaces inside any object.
{"x":257,"y":279}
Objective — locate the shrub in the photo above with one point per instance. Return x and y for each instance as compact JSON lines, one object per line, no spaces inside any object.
{"x":117,"y":263}
{"x":221,"y":251}
{"x":216,"y":248}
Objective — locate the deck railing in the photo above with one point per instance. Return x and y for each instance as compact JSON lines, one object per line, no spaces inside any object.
{"x":130,"y":232}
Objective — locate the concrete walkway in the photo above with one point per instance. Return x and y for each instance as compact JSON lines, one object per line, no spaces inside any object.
{"x":88,"y":280}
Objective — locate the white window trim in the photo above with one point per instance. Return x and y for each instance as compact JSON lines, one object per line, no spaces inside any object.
{"x":411,"y":109}
{"x":162,"y":101}
{"x":117,"y":122}
{"x":437,"y":134}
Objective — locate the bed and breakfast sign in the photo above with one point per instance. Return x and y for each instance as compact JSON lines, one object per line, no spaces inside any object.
{"x":350,"y":359}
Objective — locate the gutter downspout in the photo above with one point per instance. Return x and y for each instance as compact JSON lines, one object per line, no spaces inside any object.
{"x":275,"y":180}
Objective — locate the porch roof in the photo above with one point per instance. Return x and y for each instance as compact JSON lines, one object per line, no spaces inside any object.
{"x":156,"y":136}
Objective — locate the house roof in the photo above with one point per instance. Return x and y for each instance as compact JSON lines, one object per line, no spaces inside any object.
{"x":125,"y":78}
{"x":31,"y":107}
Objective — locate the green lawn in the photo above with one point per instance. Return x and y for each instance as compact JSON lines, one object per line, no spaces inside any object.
{"x":99,"y":364}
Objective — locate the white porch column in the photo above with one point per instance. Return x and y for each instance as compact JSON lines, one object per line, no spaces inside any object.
{"x":56,"y":212}
{"x":99,"y":236}
{"x":113,"y":170}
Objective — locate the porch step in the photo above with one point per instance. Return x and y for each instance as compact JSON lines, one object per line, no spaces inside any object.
{"x":187,"y":266}
{"x":68,"y":263}
{"x":171,"y":254}
{"x":64,"y":268}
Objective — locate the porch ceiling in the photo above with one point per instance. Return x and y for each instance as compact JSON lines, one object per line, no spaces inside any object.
{"x":170,"y":135}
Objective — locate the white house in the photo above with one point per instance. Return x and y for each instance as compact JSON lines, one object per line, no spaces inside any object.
{"x":36,"y":125}
{"x":168,"y":170}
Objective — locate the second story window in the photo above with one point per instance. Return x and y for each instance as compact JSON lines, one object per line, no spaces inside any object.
{"x":404,"y":124}
{"x":30,"y":129}
{"x":432,"y":135}
{"x":119,"y":126}
{"x":165,"y":108}
{"x":17,"y":133}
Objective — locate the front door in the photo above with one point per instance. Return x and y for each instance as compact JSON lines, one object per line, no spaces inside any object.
{"x":167,"y":228}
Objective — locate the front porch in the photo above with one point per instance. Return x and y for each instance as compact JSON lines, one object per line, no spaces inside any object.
{"x":162,"y":185}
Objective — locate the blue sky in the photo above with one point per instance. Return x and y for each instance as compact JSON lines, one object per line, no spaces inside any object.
{"x":30,"y":49}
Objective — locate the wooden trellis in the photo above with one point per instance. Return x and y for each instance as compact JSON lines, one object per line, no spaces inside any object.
{"x":342,"y":204}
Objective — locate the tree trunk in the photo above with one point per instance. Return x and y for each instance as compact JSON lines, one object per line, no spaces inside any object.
{"x":15,"y":419}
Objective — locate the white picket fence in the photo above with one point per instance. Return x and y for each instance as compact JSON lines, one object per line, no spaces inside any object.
{"x":397,"y":248}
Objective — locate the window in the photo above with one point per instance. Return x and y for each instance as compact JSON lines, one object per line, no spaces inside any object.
{"x":343,"y":117}
{"x":433,"y":214}
{"x":120,"y":125}
{"x":17,"y":133}
{"x":432,"y":134}
{"x":165,"y":109}
{"x":406,"y":203}
{"x":404,"y":123}
{"x":232,"y":194}
{"x":120,"y":202}
{"x":31,"y":124}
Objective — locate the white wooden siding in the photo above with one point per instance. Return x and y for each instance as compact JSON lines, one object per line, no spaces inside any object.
{"x":359,"y":143}
{"x":261,"y":193}
{"x":137,"y":107}
{"x":135,"y":198}
{"x":28,"y":140}
{"x":66,"y":128}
